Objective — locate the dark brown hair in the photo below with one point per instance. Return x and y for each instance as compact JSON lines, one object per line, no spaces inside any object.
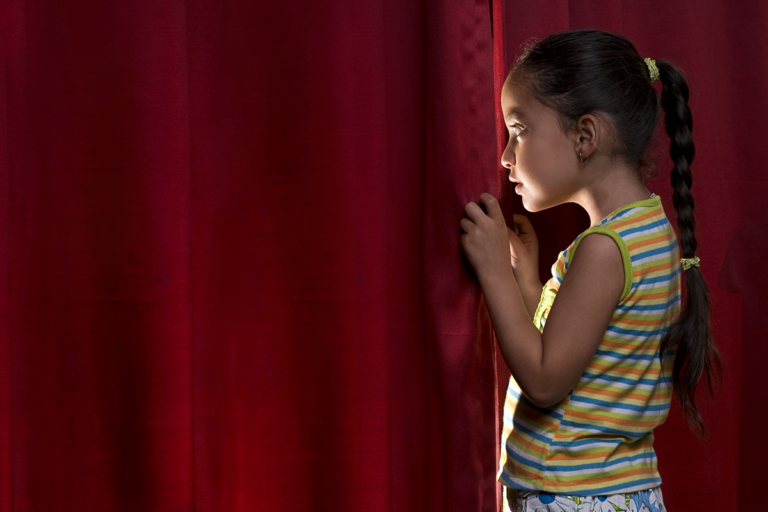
{"x":582,"y":72}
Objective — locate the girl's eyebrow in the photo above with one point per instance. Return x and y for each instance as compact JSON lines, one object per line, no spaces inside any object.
{"x":518,"y":114}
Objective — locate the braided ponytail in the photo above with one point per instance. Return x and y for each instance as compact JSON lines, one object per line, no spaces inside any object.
{"x":696,"y":355}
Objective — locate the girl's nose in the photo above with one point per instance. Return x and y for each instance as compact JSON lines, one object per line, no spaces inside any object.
{"x":508,"y":158}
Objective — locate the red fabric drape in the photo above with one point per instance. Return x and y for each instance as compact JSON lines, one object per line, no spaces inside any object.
{"x":231,"y":274}
{"x":233,"y":278}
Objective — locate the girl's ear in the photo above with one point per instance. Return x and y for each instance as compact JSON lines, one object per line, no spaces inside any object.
{"x":588,"y":132}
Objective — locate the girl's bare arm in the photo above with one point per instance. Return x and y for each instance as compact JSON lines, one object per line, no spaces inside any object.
{"x":545,"y":365}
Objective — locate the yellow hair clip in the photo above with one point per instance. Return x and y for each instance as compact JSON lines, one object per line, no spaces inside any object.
{"x":690,"y":262}
{"x":652,"y":69}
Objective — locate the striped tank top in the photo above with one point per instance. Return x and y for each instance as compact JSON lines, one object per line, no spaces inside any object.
{"x":599,"y":439}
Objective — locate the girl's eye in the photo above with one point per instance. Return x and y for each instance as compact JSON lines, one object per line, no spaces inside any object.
{"x":515,"y":129}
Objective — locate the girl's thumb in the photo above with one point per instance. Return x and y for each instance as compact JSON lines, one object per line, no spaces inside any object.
{"x":514,"y":240}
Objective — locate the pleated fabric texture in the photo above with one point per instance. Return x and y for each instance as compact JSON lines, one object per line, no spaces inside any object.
{"x":230,"y":271}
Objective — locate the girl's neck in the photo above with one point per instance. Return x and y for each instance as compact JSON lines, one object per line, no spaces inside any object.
{"x":611,"y":191}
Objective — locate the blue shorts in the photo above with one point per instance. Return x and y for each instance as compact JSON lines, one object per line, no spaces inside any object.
{"x":649,"y":500}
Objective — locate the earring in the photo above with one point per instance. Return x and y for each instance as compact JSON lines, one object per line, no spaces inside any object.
{"x":582,"y":160}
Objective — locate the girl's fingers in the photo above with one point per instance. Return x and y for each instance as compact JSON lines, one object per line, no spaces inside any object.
{"x":514,"y":240}
{"x":491,"y":205}
{"x":525,"y":231}
{"x":522,"y":224}
{"x":466,"y":224}
{"x":511,"y":235}
{"x":474,"y":211}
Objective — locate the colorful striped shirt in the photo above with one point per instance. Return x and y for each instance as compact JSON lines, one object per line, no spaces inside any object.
{"x":599,"y":439}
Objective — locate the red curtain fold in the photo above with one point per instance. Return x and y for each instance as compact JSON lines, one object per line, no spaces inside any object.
{"x":233,"y":262}
{"x":231,"y":273}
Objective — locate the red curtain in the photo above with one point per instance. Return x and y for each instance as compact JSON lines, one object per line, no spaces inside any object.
{"x":232,"y":272}
{"x":231,"y":276}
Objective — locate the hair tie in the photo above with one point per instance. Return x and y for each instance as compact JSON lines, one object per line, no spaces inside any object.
{"x":652,"y":70}
{"x":690,"y":262}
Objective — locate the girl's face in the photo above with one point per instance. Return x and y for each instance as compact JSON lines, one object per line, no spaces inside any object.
{"x":541,"y":158}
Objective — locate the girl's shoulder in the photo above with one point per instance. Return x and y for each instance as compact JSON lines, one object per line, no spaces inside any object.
{"x":631,"y":226}
{"x":642,"y":233}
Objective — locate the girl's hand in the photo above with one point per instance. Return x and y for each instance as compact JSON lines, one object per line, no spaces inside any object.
{"x":524,"y":249}
{"x":485,"y":240}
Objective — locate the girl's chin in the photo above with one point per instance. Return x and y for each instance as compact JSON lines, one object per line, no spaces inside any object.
{"x":530,"y":205}
{"x":530,"y":202}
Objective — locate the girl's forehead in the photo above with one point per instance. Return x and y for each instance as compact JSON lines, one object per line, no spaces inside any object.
{"x":518,"y":101}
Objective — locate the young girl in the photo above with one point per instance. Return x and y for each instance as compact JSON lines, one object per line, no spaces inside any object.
{"x":595,"y":356}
